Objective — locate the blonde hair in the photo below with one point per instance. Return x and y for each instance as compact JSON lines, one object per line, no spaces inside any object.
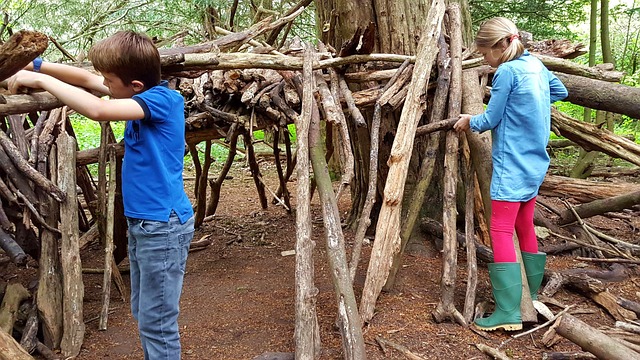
{"x":494,"y":31}
{"x":128,"y":55}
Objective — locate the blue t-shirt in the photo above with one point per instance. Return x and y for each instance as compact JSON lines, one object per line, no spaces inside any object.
{"x":519,"y":117}
{"x":153,"y":162}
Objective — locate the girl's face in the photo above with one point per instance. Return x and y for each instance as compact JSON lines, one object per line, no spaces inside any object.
{"x":492,"y":55}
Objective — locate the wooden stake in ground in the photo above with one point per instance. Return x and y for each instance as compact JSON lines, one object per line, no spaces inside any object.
{"x":307,"y":333}
{"x":73,"y":288}
{"x":108,"y":246}
{"x":387,"y":241}
{"x":446,"y":308}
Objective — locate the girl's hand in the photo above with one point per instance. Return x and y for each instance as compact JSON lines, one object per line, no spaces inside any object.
{"x":463,"y":123}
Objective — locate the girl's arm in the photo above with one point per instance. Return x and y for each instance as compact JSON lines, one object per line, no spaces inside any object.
{"x":500,"y":89}
{"x":81,"y":101}
{"x":557,"y":90}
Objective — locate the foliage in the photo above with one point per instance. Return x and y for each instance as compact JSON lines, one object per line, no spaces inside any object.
{"x":544,"y":19}
{"x":77,"y":24}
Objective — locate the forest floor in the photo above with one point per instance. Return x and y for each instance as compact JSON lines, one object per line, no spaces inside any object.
{"x":238,"y":297}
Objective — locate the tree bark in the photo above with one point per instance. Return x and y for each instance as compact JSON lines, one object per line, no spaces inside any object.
{"x":13,"y":296}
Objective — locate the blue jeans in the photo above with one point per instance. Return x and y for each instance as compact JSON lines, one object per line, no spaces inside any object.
{"x":158,"y":256}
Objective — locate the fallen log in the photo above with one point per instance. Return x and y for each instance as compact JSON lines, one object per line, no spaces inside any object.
{"x":602,"y":95}
{"x":601,"y":206}
{"x":584,"y":190}
{"x":592,"y":138}
{"x":591,"y":287}
{"x":593,"y":340}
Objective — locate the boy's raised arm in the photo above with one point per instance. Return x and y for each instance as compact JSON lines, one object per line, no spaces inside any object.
{"x":76,"y":98}
{"x":73,"y":75}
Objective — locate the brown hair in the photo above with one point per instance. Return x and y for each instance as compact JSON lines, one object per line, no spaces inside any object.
{"x":494,"y":31}
{"x":128,"y":55}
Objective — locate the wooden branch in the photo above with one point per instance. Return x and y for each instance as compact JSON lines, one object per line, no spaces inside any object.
{"x":365,"y":217}
{"x":108,"y":244}
{"x":446,"y":308}
{"x":15,"y":252}
{"x":14,"y":295}
{"x":306,"y":332}
{"x":403,"y":349}
{"x":11,"y":350}
{"x":590,"y":137}
{"x":348,"y":319}
{"x":493,"y":352}
{"x":73,"y":288}
{"x":29,"y":171}
{"x":387,"y":241}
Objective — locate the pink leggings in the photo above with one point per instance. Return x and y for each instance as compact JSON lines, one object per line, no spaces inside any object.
{"x":505,"y":216}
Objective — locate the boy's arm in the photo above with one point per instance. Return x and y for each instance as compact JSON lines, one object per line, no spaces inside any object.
{"x":73,"y":75}
{"x":81,"y":101}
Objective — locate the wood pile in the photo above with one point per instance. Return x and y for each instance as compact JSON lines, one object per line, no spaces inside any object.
{"x":50,"y":205}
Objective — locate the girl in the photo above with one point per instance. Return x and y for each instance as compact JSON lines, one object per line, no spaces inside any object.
{"x":519,"y":117}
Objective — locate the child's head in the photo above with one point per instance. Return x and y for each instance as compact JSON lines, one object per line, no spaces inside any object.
{"x":498,"y":41}
{"x":129,"y":56}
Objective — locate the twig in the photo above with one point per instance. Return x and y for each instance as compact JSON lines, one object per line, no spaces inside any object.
{"x":493,"y":352}
{"x":549,"y":322}
{"x":622,"y":261}
{"x":406,"y":352}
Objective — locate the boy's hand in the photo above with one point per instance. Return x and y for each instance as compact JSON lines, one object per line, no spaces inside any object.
{"x":23,"y":79}
{"x":463,"y":123}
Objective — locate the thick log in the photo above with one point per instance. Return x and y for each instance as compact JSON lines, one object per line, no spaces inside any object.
{"x":73,"y":288}
{"x":13,"y":296}
{"x":593,"y":340}
{"x":598,"y":207}
{"x":19,"y":50}
{"x":584,"y":190}
{"x":11,"y":350}
{"x":387,"y":241}
{"x":602,"y":95}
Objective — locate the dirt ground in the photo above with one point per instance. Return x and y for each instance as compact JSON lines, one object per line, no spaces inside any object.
{"x":238,"y":299}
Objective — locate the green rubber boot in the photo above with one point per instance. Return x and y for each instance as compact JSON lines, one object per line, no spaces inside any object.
{"x":534,"y":267}
{"x":507,"y":290}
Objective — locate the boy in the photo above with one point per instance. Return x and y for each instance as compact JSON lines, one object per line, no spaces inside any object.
{"x":159,"y":214}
